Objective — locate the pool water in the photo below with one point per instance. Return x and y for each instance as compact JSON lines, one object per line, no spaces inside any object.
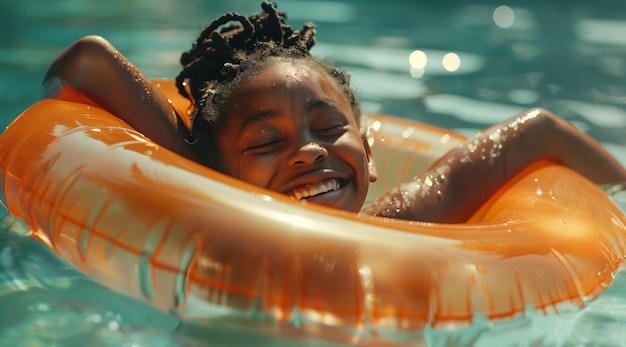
{"x":458,"y":64}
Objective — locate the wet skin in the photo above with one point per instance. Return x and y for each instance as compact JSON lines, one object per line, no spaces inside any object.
{"x":290,"y":129}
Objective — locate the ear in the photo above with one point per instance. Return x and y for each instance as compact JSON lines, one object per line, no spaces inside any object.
{"x":371,"y":166}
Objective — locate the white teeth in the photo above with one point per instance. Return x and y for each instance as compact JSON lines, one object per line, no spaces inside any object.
{"x":324,"y":187}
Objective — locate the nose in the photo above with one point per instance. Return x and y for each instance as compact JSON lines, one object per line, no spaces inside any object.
{"x":308,"y":153}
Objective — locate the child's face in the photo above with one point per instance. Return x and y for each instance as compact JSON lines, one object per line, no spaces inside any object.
{"x":290,"y":129}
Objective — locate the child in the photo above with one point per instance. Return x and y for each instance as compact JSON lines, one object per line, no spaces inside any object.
{"x":269,"y":113}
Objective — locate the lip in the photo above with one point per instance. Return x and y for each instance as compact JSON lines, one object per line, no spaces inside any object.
{"x":310,"y":191}
{"x":339,"y":198}
{"x":311,"y":179}
{"x":331,"y":198}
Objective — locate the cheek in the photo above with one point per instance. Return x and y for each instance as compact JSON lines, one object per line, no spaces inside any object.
{"x":257,"y":171}
{"x":226,"y":160}
{"x":354,"y":153}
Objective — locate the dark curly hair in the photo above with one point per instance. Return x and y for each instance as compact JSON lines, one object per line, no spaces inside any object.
{"x":229,"y":51}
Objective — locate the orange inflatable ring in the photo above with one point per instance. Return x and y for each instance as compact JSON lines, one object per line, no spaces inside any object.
{"x":209,"y":248}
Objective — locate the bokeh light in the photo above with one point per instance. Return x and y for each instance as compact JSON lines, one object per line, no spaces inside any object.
{"x":451,"y":62}
{"x":504,"y":17}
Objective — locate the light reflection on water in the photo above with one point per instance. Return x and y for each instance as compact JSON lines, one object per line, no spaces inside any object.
{"x":501,"y":59}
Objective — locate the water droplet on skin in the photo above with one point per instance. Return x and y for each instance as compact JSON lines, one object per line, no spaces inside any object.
{"x":428,"y":181}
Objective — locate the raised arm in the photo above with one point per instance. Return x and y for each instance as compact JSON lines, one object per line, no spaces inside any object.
{"x":95,"y":68}
{"x":455,"y":186}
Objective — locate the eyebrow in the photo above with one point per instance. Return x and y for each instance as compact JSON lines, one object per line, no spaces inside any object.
{"x":259,"y":116}
{"x":313,"y":105}
{"x":317,"y":104}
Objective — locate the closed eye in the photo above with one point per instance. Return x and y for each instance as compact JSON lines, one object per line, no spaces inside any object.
{"x":264,"y":146}
{"x":335,"y":130}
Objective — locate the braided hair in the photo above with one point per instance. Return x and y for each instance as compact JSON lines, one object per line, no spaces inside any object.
{"x":229,"y":51}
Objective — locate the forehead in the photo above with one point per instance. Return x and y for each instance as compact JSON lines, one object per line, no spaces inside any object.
{"x":282,"y":87}
{"x":293,"y":75}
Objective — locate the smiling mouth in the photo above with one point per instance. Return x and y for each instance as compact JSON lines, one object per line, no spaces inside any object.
{"x":312,"y":190}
